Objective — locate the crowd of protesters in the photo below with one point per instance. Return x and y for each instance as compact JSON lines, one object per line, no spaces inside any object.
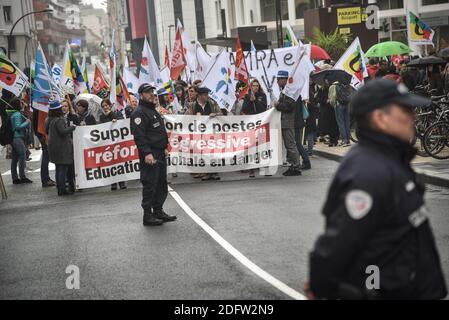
{"x":324,"y":117}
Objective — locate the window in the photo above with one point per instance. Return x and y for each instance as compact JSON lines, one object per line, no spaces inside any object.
{"x":218,"y":14}
{"x":12,"y":43}
{"x":177,"y":6}
{"x":268,"y":10}
{"x":199,"y":15}
{"x":430,"y":2}
{"x":302,"y":5}
{"x":7,"y":14}
{"x":390,"y":4}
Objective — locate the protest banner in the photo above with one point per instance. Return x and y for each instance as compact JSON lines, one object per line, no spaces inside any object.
{"x":200,"y":144}
{"x":11,"y":78}
{"x":106,"y":153}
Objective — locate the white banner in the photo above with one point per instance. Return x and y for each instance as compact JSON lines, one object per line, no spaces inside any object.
{"x":106,"y":153}
{"x":200,"y":144}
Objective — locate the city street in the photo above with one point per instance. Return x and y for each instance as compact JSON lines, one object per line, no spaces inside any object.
{"x":272,"y":221}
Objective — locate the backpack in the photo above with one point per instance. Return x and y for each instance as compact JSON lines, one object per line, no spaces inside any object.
{"x":6,"y":132}
{"x":343,"y":94}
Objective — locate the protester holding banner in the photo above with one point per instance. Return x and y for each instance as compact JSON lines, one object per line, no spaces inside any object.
{"x":19,"y":124}
{"x":86,"y":119}
{"x":205,"y":107}
{"x":60,"y":147}
{"x":131,"y":105}
{"x":255,"y":101}
{"x":287,"y":107}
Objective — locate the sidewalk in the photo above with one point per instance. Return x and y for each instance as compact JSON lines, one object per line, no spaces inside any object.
{"x":431,"y":170}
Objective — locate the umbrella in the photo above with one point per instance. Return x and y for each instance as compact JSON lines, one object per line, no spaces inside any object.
{"x":387,"y":48}
{"x":332,"y":75}
{"x":319,"y":53}
{"x":444,"y":53}
{"x":426,"y":61}
{"x":94,"y":104}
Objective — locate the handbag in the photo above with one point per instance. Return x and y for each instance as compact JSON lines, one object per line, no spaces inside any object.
{"x":305,"y":112}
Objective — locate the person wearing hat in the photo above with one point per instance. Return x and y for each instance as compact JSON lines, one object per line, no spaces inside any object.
{"x":203,"y":106}
{"x":60,"y":146}
{"x":287,"y":106}
{"x":151,"y":139}
{"x":378,"y":242}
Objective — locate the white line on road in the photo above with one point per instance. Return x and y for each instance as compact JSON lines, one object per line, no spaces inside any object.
{"x":234,"y":252}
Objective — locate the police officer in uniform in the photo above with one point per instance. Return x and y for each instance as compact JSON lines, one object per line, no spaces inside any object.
{"x":151,"y":139}
{"x":378,"y":242}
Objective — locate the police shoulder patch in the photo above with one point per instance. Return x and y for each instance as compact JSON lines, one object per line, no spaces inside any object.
{"x":358,"y":203}
{"x":138,"y":121}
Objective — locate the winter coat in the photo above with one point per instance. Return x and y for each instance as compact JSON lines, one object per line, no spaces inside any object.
{"x":60,"y":146}
{"x":254,"y":107}
{"x":19,"y":124}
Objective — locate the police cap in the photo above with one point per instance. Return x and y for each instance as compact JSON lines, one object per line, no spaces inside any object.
{"x":379,"y":93}
{"x":146,"y":87}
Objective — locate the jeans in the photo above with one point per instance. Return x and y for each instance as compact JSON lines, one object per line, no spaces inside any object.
{"x":61,"y":176}
{"x":18,"y":156}
{"x":288,"y":135}
{"x":71,"y":177}
{"x":300,"y":146}
{"x":310,"y":138}
{"x":45,"y":175}
{"x":343,"y":121}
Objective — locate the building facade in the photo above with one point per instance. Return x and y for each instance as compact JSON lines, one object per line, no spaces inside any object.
{"x":53,"y":33}
{"x":22,"y":43}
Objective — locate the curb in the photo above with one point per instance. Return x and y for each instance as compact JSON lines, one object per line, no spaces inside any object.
{"x":426,"y":176}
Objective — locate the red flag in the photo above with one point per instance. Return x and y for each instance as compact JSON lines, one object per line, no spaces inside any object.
{"x":178,"y":61}
{"x":100,"y":86}
{"x":241,"y":70}
{"x":167,"y":58}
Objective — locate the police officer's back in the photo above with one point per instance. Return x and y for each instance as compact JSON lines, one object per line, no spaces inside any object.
{"x":375,"y":212}
{"x":151,"y":139}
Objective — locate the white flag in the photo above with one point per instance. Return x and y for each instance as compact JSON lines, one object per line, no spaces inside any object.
{"x":189,"y":49}
{"x":131,"y":80}
{"x":299,"y":78}
{"x":203,"y":62}
{"x":219,"y":79}
{"x":353,"y":62}
{"x":149,"y":70}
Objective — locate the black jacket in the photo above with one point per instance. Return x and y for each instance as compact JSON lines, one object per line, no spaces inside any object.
{"x":111,"y":116}
{"x":148,"y":129}
{"x":254,"y":107}
{"x":375,"y":216}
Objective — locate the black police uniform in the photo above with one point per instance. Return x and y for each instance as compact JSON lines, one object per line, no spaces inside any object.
{"x":376,"y":216}
{"x":150,"y":136}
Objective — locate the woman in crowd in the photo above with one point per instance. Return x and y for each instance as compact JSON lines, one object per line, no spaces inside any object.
{"x":70,"y":116}
{"x":60,"y":147}
{"x":19,"y":125}
{"x":182,"y":98}
{"x":255,"y":102}
{"x":86,"y":119}
{"x":110,"y":116}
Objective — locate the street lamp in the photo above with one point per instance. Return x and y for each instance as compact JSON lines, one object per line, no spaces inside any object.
{"x":169,"y":34}
{"x":18,"y":20}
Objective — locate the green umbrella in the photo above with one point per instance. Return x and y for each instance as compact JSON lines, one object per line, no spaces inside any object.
{"x":387,"y":48}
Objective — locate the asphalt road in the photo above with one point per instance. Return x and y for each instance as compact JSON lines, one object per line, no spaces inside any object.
{"x":273,"y":221}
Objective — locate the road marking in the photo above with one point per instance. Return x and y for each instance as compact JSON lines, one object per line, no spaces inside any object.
{"x":234,"y":252}
{"x":51,"y":167}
